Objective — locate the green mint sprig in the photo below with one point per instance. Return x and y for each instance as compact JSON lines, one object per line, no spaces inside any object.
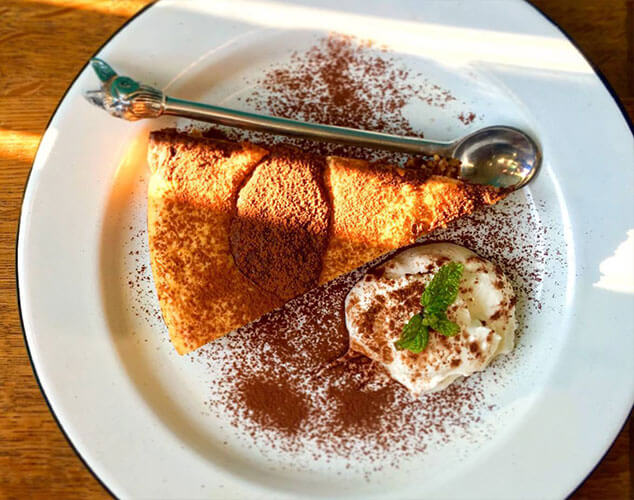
{"x":438,"y":295}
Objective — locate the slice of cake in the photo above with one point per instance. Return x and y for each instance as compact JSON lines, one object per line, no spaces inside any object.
{"x":236,"y":230}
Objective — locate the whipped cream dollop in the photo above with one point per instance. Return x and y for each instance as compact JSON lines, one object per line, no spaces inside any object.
{"x":384,"y":300}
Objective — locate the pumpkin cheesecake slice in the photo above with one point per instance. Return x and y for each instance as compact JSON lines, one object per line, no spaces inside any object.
{"x":236,"y":230}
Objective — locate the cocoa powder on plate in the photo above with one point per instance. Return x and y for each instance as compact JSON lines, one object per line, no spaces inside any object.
{"x":348,"y":406}
{"x":345,"y":82}
{"x":285,"y":380}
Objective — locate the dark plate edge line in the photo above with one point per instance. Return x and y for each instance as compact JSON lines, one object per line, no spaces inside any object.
{"x":17,"y":239}
{"x":597,"y":71}
{"x":630,"y":124}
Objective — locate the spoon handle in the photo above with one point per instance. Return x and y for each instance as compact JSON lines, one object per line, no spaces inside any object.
{"x":123,"y":97}
{"x":486,"y":156}
{"x":315,"y":131}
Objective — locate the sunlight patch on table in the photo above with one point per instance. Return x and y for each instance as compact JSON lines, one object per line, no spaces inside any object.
{"x":18,"y":145}
{"x":123,"y":8}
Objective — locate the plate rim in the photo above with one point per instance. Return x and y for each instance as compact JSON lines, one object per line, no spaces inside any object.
{"x":630,"y":123}
{"x":56,"y":418}
{"x":597,"y":72}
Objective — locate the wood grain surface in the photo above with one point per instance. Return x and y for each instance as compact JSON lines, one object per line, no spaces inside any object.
{"x":43,"y":45}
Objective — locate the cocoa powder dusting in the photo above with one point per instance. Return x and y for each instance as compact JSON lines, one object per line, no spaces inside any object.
{"x":139,"y":278}
{"x":274,"y":403}
{"x":285,"y":381}
{"x":346,"y":82}
{"x":341,"y":81}
{"x":467,"y":118}
{"x":348,"y":406}
{"x":279,"y":229}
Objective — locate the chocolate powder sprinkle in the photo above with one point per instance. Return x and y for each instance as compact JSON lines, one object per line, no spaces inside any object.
{"x":285,"y":380}
{"x":346,"y":82}
{"x":348,"y":406}
{"x":301,"y":391}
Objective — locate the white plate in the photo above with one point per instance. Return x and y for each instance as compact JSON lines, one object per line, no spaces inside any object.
{"x":135,"y":411}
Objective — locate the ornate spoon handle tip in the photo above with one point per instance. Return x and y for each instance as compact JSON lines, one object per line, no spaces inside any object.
{"x":126,"y":98}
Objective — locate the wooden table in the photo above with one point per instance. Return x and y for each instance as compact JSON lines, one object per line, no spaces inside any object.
{"x":43,"y":44}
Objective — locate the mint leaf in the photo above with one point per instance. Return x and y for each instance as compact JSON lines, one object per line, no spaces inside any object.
{"x":415,"y":335}
{"x":439,"y":294}
{"x":442,"y":325}
{"x":442,"y":290}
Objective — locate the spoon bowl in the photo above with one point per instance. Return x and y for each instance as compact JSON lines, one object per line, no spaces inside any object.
{"x":499,"y":156}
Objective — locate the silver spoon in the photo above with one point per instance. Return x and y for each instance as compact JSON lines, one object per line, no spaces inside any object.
{"x":499,"y":156}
